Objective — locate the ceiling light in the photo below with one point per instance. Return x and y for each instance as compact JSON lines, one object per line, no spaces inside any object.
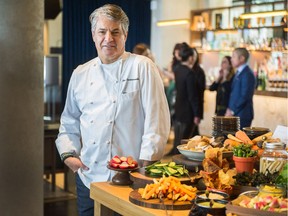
{"x":173,"y":22}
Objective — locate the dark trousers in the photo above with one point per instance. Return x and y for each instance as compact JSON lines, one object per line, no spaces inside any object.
{"x":245,"y":123}
{"x":183,"y":130}
{"x":84,"y":203}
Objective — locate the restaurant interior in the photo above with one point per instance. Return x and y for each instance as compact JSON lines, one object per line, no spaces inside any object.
{"x":38,"y":56}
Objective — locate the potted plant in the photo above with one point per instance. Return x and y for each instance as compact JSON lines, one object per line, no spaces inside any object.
{"x":244,"y":158}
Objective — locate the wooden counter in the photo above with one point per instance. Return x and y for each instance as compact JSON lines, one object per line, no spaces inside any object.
{"x":114,"y":197}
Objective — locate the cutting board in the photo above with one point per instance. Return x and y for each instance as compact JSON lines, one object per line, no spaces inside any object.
{"x":167,"y":204}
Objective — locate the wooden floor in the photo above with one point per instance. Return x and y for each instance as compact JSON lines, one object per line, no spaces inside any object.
{"x":61,"y":208}
{"x":58,"y":202}
{"x":61,"y":203}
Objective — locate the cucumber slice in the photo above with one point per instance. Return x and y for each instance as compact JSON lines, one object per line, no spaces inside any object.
{"x":152,"y":165}
{"x":171,"y":170}
{"x":172,"y":164}
{"x":161,"y":165}
{"x":156,"y":171}
{"x":155,"y":174}
{"x":167,"y":173}
{"x":180,"y":171}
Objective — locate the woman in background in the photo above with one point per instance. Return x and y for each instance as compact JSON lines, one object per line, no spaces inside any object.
{"x":190,"y":86}
{"x":199,"y":89}
{"x":170,"y":90}
{"x":223,"y":86}
{"x":143,"y":49}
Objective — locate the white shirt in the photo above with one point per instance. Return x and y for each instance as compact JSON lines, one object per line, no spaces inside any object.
{"x":114,"y":109}
{"x":240,"y":69}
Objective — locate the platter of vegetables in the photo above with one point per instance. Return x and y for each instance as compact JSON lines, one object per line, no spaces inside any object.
{"x":159,"y":169}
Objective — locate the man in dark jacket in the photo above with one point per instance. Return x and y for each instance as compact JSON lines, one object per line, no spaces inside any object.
{"x":242,"y":90}
{"x":190,"y":86}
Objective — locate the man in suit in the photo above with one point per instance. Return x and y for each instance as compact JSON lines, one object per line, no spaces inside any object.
{"x":242,"y":90}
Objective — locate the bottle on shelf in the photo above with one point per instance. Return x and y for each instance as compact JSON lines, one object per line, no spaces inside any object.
{"x":255,"y":70}
{"x":264,"y":81}
{"x":261,"y":80}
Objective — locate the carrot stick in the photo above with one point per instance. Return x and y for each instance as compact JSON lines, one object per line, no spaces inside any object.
{"x":243,"y":136}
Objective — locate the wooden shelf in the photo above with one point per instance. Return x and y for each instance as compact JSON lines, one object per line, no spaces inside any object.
{"x":238,"y":6}
{"x":281,"y":94}
{"x":206,"y":14}
{"x":235,"y":29}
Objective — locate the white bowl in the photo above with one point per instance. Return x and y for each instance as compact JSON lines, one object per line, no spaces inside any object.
{"x":197,"y":155}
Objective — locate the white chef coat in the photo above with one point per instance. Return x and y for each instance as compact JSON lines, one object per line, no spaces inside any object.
{"x":114,"y":109}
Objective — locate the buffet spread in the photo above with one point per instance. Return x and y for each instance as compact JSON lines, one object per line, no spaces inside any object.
{"x":222,"y":185}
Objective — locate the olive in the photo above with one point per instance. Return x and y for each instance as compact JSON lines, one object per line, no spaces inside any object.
{"x":260,"y":144}
{"x":264,"y":138}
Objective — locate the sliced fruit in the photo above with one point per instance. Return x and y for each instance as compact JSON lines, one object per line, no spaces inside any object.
{"x":115,"y":165}
{"x":123,"y":159}
{"x":135,"y":163}
{"x":130,"y":160}
{"x":124,"y":165}
{"x":132,"y":165}
{"x":116,"y":160}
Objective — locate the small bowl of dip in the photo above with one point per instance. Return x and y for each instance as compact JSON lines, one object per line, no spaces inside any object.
{"x":209,"y":206}
{"x":214,"y":195}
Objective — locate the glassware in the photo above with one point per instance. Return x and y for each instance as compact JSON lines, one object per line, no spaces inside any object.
{"x":273,"y":158}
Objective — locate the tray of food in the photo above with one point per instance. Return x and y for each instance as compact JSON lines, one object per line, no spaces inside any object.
{"x":165,"y":193}
{"x":258,"y":204}
{"x":196,"y":147}
{"x":159,"y":169}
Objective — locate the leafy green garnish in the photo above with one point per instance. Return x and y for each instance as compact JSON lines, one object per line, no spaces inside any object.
{"x":244,"y":150}
{"x":282,"y":178}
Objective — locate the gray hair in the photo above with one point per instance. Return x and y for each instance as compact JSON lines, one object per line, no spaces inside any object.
{"x":242,"y":52}
{"x":112,"y":12}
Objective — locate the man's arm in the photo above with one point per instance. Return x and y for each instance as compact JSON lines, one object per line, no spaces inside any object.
{"x":157,"y":115}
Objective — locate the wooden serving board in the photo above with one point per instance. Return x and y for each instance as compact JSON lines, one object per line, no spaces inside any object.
{"x":135,"y":197}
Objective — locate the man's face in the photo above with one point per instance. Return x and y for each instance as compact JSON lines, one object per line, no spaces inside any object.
{"x":237,"y":60}
{"x":109,"y":40}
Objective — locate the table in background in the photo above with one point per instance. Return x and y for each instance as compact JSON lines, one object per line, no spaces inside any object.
{"x":52,"y":161}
